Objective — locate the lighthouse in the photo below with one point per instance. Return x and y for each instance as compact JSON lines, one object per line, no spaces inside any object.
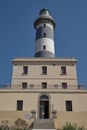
{"x":45,"y":26}
{"x":44,"y":90}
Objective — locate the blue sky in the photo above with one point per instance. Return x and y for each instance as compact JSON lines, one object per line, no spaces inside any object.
{"x":17,"y":35}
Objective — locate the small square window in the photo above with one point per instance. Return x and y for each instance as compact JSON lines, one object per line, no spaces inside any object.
{"x":44,"y":69}
{"x":64,"y":85}
{"x":63,"y":70}
{"x":44,"y":25}
{"x":44,"y":34}
{"x":44,"y":47}
{"x":44,"y":85}
{"x":20,"y":105}
{"x":24,"y":85}
{"x":25,"y":69}
{"x":68,"y":105}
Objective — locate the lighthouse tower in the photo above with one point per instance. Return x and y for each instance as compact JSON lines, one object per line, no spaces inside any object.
{"x":44,"y":26}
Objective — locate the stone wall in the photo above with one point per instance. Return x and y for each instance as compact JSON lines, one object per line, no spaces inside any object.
{"x":79,"y":118}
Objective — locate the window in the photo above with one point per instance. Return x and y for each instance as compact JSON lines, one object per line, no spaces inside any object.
{"x":64,"y":85}
{"x":25,"y":69}
{"x":44,"y":85}
{"x":44,"y":34}
{"x":24,"y":85}
{"x":63,"y":70}
{"x":20,"y":105}
{"x":42,"y":97}
{"x":68,"y":105}
{"x":44,"y":47}
{"x":44,"y":69}
{"x":44,"y":25}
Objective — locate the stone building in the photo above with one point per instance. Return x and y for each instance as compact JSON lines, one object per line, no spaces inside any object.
{"x":44,"y":87}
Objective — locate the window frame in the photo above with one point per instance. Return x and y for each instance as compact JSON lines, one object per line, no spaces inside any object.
{"x":44,"y":34}
{"x":44,"y":70}
{"x":68,"y":105}
{"x":63,"y":70}
{"x":19,"y":105}
{"x":44,"y":85}
{"x":25,"y":70}
{"x":64,"y":85}
{"x":44,"y":47}
{"x":44,"y":24}
{"x":24,"y":85}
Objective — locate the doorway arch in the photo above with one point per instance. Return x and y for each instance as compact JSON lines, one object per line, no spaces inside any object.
{"x":44,"y":109}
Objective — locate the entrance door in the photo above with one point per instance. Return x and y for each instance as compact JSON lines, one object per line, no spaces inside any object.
{"x":44,"y":108}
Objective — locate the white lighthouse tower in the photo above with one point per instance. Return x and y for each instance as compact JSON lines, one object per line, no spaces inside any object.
{"x":44,"y":26}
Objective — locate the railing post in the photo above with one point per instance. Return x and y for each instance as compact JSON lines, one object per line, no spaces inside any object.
{"x":33,"y":114}
{"x":54,"y":112}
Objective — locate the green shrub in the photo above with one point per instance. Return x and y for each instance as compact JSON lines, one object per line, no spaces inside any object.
{"x":70,"y":126}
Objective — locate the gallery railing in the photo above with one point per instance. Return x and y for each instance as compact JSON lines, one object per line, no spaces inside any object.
{"x":39,"y":87}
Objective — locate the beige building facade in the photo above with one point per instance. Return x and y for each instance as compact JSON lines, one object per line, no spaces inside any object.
{"x":53,"y":72}
{"x":44,"y":86}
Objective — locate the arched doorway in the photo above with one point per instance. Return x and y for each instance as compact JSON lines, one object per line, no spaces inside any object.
{"x":44,"y":107}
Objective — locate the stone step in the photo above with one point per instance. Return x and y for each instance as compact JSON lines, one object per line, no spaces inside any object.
{"x":43,"y":129}
{"x":43,"y":124}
